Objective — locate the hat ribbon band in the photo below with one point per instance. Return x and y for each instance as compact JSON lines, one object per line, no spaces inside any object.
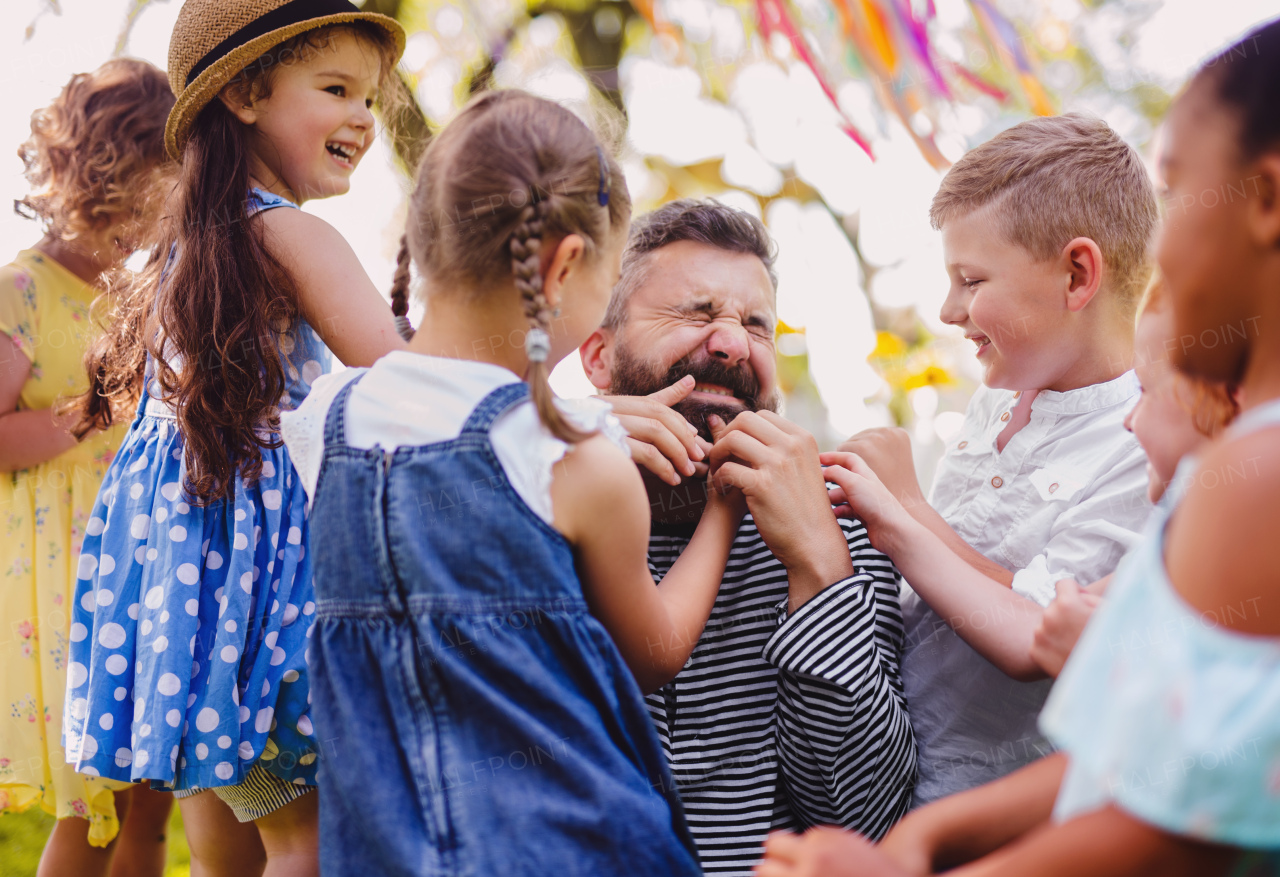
{"x":290,"y":13}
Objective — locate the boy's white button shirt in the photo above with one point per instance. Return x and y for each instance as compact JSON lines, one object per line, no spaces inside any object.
{"x":1065,"y":499}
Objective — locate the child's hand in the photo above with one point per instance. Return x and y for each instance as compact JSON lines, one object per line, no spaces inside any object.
{"x":860,"y":494}
{"x":887,"y":450}
{"x":824,"y":852}
{"x":1060,"y":626}
{"x":661,"y":440}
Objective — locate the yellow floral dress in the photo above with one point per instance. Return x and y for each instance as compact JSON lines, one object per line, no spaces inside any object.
{"x":44,"y":309}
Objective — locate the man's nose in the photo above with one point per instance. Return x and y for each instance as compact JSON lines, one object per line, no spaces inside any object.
{"x":728,"y":342}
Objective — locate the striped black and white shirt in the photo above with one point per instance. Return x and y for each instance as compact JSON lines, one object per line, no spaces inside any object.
{"x":787,"y":722}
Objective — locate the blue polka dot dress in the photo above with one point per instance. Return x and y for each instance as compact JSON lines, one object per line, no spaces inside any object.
{"x":190,"y":625}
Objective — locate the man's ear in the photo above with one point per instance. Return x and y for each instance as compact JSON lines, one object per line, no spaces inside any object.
{"x":597,"y":358}
{"x":1084,"y":265}
{"x":567,"y":257}
{"x":235,"y":97}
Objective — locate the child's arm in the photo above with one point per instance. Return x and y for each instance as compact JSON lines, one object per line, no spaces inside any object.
{"x":27,"y":438}
{"x":1105,"y":843}
{"x":334,"y":293}
{"x":887,"y":450}
{"x":602,"y":509}
{"x":962,"y":827}
{"x":990,"y":617}
{"x":946,"y":833}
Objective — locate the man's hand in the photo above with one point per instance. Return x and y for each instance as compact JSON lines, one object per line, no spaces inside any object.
{"x":860,"y":494}
{"x":661,"y":440}
{"x":1061,"y":625}
{"x":824,"y":852}
{"x":775,"y":465}
{"x":887,"y":450}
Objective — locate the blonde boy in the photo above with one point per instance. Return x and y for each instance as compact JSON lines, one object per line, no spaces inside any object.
{"x":1045,"y":231}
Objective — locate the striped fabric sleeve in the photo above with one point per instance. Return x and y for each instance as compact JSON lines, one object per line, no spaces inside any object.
{"x":845,"y":748}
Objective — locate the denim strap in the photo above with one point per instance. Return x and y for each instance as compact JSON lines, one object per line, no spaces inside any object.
{"x":335,"y":431}
{"x":493,"y":405}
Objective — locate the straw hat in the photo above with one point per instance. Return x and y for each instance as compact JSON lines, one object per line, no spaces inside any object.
{"x":214,"y":40}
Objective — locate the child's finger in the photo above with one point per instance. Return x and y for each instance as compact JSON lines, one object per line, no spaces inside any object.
{"x":850,"y":461}
{"x":773,"y":868}
{"x":716,"y":425}
{"x":783,"y":846}
{"x":841,"y":476}
{"x":677,"y":392}
{"x":1067,"y":589}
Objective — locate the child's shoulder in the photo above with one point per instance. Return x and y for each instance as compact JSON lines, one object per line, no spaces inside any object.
{"x":302,"y":429}
{"x":1221,"y":546}
{"x":595,"y":484}
{"x":296,"y":227}
{"x":595,"y":466}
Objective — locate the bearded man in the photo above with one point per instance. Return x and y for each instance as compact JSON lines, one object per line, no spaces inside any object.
{"x":790,"y":711}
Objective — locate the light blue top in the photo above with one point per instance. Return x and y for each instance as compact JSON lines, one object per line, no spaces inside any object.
{"x":1166,"y":712}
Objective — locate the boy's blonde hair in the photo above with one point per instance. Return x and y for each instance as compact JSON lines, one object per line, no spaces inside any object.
{"x":1058,"y":178}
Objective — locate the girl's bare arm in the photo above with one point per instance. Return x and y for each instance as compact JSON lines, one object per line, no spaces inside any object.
{"x":336,"y":296}
{"x":27,"y":438}
{"x":602,"y":509}
{"x":968,"y":825}
{"x":1105,"y":843}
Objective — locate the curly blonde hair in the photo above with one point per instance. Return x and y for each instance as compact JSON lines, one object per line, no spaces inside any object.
{"x":96,"y":154}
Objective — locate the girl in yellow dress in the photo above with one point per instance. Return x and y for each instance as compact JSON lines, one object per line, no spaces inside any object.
{"x":95,"y":163}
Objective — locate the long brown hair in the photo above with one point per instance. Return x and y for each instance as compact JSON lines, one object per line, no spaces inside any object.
{"x":510,"y":172}
{"x":210,"y":315}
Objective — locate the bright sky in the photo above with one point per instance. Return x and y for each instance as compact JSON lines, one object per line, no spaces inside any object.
{"x":783,"y":120}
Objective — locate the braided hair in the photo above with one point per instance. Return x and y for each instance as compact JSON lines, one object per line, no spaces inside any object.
{"x":400,"y":291}
{"x":512,"y":174}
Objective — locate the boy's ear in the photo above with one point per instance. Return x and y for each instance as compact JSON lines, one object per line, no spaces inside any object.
{"x":236,"y":99}
{"x":597,"y":358}
{"x":1264,"y":212}
{"x":567,"y":257}
{"x":1084,"y":265}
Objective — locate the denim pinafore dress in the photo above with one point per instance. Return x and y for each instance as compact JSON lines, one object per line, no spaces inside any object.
{"x":473,"y":717}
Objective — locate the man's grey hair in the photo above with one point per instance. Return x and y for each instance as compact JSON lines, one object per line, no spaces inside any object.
{"x":702,"y":221}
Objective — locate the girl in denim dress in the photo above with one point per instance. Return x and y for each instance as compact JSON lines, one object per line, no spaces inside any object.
{"x":486,"y":618}
{"x":193,"y":608}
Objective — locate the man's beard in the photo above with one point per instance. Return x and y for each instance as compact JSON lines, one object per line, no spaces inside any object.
{"x":634,"y":376}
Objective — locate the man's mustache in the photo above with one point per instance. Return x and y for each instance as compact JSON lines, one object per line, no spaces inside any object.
{"x":739,"y":380}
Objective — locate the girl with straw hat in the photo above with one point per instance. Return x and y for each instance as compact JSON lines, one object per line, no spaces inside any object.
{"x":193,"y":610}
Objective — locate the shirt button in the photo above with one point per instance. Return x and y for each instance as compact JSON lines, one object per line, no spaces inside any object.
{"x":997,"y":481}
{"x":1004,"y":417}
{"x":962,"y":445}
{"x":1053,"y":487}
